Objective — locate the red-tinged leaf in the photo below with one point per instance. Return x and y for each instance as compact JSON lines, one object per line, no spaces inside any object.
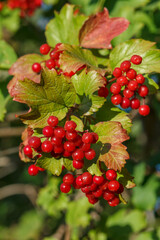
{"x":110,"y":149}
{"x":25,"y":136}
{"x":22,"y":69}
{"x":99,"y":30}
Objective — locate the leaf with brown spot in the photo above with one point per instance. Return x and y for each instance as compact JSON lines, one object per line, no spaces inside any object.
{"x":100,"y":29}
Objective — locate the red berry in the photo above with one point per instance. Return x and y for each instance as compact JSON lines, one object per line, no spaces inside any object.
{"x":117,"y":72}
{"x":57,"y":46}
{"x":120,"y":190}
{"x":144,"y":110}
{"x":58,"y":149}
{"x":75,"y":185}
{"x":78,"y":141}
{"x":86,"y":178}
{"x":78,"y":155}
{"x":143,"y":91}
{"x":93,"y":200}
{"x":59,"y":132}
{"x":65,"y":188}
{"x":69,"y":146}
{"x":115,"y":88}
{"x":132,"y":85}
{"x":69,"y":74}
{"x":131,"y":74}
{"x":125,"y":66}
{"x":34,"y":142}
{"x":89,"y":155}
{"x":122,"y":81}
{"x":103,"y":92}
{"x":135,"y":103}
{"x":136,"y":59}
{"x":78,"y":164}
{"x":108,"y":195}
{"x":67,"y":154}
{"x":104,"y":185}
{"x":50,"y":63}
{"x":113,"y":186}
{"x":128,"y":93}
{"x":140,"y":78}
{"x":97,"y":193}
{"x":36,"y":67}
{"x":116,"y":99}
{"x":114,"y":202}
{"x":79,"y":181}
{"x":33,"y":170}
{"x":52,"y":121}
{"x":56,"y":140}
{"x":40,"y":169}
{"x":68,"y":178}
{"x":48,"y":131}
{"x":27,"y":151}
{"x":44,"y":49}
{"x":85,"y":189}
{"x":92,"y":187}
{"x":71,"y":135}
{"x":111,"y":174}
{"x":47,"y":146}
{"x":87,"y":137}
{"x":85,"y":147}
{"x":55,"y":54}
{"x":95,"y":137}
{"x":125,"y":103}
{"x":98,"y":179}
{"x":70,"y":125}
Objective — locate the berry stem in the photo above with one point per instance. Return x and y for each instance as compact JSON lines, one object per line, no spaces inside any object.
{"x":111,"y":80}
{"x":122,"y":199}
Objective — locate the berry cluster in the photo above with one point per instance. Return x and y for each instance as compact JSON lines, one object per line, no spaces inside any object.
{"x":53,"y":61}
{"x":62,"y":142}
{"x":95,"y":187}
{"x":27,"y":6}
{"x":128,"y":85}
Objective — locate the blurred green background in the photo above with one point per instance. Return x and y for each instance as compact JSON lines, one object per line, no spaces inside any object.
{"x":29,"y":214}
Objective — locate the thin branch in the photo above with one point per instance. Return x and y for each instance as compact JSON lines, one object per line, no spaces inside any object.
{"x":11,"y":131}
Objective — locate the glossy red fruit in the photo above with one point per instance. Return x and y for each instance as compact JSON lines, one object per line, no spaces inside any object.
{"x":135,"y":103}
{"x":104,"y":185}
{"x":57,"y":46}
{"x":98,"y":179}
{"x":144,"y":110}
{"x":92,"y":187}
{"x":48,"y":131}
{"x":36,"y":67}
{"x":70,"y":125}
{"x":65,"y":188}
{"x":113,"y":186}
{"x":116,"y":99}
{"x":132,"y":85}
{"x":86,"y":178}
{"x":69,"y":146}
{"x":34,"y":142}
{"x":50,"y":63}
{"x":79,"y":181}
{"x":59,"y":132}
{"x":27,"y":151}
{"x":117,"y":72}
{"x":58,"y":149}
{"x":143,"y":91}
{"x":122,"y":81}
{"x":90,"y":154}
{"x":87,"y":137}
{"x":140,"y":79}
{"x":85,"y":147}
{"x":108,"y":195}
{"x":111,"y":174}
{"x":44,"y":49}
{"x":55,"y":54}
{"x":47,"y":146}
{"x":114,"y":202}
{"x":69,"y":74}
{"x":56,"y":140}
{"x":131,"y":74}
{"x":85,"y":189}
{"x":125,"y":66}
{"x":115,"y":88}
{"x":68,"y":178}
{"x":75,"y":185}
{"x":93,"y":200}
{"x":120,"y":190}
{"x":52,"y":121}
{"x":71,"y":135}
{"x":97,"y":193}
{"x":78,"y":155}
{"x":33,"y":170}
{"x":78,"y":164}
{"x":78,"y":141}
{"x":95,"y":137}
{"x":125,"y":103}
{"x":40,"y":169}
{"x":136,"y":59}
{"x":103,"y":92}
{"x":67,"y":154}
{"x":128,"y":93}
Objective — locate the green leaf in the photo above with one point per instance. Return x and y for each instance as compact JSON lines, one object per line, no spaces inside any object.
{"x":11,"y":19}
{"x":64,"y":28}
{"x":139,"y":168}
{"x":125,"y":178}
{"x":53,"y":96}
{"x":145,"y":235}
{"x":85,"y":85}
{"x":124,"y":51}
{"x":152,"y":85}
{"x":7,"y":55}
{"x":3,"y":101}
{"x":109,"y":148}
{"x":109,"y":113}
{"x":94,"y":169}
{"x":78,"y":121}
{"x":74,"y":57}
{"x":68,"y":164}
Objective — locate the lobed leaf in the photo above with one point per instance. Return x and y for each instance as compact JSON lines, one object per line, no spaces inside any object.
{"x":78,"y":121}
{"x":125,"y":178}
{"x":152,"y":85}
